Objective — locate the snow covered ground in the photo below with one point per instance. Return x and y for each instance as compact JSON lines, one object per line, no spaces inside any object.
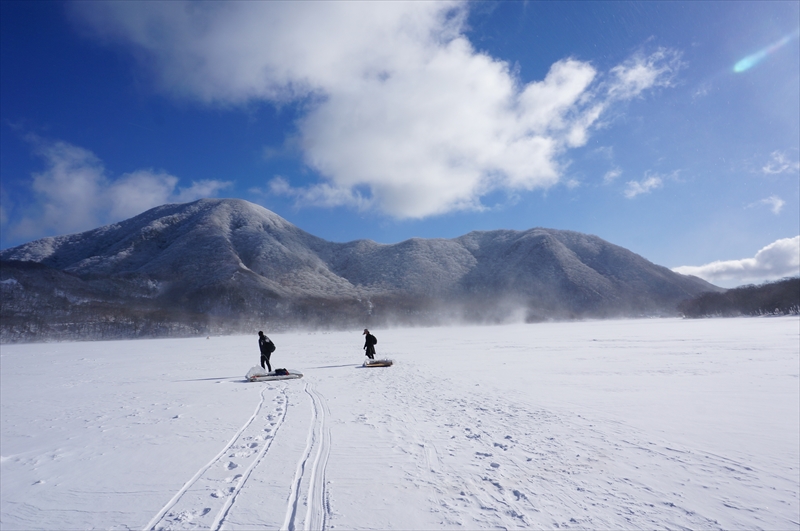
{"x":654,"y":424}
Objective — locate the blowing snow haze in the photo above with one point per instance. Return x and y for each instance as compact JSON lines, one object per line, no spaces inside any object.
{"x":230,"y":265}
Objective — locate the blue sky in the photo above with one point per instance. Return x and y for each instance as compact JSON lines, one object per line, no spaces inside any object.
{"x":669,"y":128}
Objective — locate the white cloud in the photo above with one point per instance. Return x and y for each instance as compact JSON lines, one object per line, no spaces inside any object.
{"x":611,"y":175}
{"x":322,"y":194}
{"x":780,"y":163}
{"x":777,"y":260}
{"x":74,"y":192}
{"x":199,"y":190}
{"x":134,"y":190}
{"x":774,"y":202}
{"x":398,"y":104}
{"x":645,"y":186}
{"x":642,"y":72}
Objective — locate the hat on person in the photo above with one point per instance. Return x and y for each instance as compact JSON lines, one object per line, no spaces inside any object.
{"x":365,"y":331}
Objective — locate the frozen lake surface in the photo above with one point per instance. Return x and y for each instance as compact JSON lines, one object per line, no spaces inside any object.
{"x":648,"y":424}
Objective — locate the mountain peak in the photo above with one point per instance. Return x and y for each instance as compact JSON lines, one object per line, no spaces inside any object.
{"x":233,"y":259}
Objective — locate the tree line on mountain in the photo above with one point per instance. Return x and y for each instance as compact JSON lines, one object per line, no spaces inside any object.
{"x":781,"y":297}
{"x":40,"y":303}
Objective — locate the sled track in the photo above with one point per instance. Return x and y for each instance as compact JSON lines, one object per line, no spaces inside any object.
{"x":318,"y":443}
{"x":209,"y":489}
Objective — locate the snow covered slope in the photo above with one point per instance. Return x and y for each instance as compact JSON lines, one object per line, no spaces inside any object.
{"x":642,"y":424}
{"x":231,"y":259}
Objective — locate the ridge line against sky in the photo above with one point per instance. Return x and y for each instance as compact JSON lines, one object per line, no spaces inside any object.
{"x":671,"y":129}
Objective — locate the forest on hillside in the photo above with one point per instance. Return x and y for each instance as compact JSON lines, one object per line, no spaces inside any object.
{"x":772,"y":298}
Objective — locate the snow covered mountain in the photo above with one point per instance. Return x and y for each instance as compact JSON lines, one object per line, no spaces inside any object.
{"x":230,"y":264}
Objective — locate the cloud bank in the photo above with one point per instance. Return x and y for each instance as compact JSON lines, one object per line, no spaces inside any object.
{"x":75,"y":193}
{"x":775,"y":261}
{"x":401,"y":112}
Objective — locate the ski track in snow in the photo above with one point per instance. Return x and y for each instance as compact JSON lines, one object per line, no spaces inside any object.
{"x":309,"y":478}
{"x":206,"y":499}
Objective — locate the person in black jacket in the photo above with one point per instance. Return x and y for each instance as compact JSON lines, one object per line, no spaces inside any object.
{"x":369,"y":344}
{"x":267,"y":347}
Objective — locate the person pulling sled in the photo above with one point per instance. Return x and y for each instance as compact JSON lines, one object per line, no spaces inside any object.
{"x":369,"y":344}
{"x":267,"y":347}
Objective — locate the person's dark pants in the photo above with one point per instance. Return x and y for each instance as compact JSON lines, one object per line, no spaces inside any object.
{"x":265,"y":359}
{"x":371,"y":352}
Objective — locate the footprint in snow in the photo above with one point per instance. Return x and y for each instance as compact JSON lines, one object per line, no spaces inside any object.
{"x":495,"y":483}
{"x":231,"y":465}
{"x":184,"y":516}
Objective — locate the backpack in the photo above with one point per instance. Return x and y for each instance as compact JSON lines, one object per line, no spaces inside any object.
{"x":373,"y":341}
{"x":281,"y":372}
{"x":270,"y":346}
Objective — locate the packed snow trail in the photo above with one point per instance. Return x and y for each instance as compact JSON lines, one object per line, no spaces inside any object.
{"x":194,"y":504}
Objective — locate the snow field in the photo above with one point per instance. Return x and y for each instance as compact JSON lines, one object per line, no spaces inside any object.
{"x":606,"y":424}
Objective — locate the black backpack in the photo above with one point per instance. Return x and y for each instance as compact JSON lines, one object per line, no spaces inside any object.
{"x":270,"y":346}
{"x":373,"y":341}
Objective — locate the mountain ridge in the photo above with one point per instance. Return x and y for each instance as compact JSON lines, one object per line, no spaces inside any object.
{"x":236,"y":262}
